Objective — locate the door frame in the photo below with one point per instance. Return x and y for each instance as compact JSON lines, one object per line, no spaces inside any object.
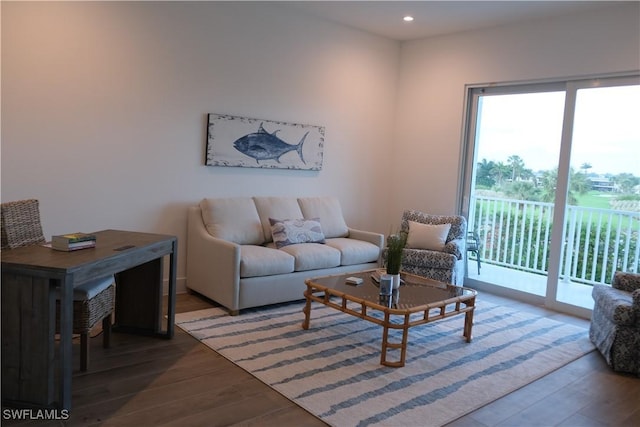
{"x":473,"y":92}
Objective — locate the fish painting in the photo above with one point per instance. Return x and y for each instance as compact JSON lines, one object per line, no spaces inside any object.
{"x":236,"y":141}
{"x":262,"y":145}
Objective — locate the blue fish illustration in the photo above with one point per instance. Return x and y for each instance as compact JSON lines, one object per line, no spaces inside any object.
{"x":263,"y":145}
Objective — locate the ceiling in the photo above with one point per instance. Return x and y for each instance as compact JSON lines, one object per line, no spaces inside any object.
{"x":432,"y":18}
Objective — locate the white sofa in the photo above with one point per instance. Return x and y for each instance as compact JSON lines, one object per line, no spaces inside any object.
{"x":232,"y":257}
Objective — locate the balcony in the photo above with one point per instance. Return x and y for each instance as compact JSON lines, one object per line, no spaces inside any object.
{"x":577,"y":294}
{"x":515,"y":240}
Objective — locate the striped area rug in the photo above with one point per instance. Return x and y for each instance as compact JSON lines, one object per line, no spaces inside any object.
{"x":333,"y":369}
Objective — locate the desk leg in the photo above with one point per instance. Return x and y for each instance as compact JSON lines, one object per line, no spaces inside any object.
{"x":28,"y":347}
{"x":66,"y":346}
{"x":171,"y":300}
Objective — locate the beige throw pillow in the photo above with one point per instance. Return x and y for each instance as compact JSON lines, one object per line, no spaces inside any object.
{"x":427,"y":236}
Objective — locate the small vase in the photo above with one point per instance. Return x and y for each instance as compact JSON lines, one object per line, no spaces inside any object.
{"x":395,"y":281}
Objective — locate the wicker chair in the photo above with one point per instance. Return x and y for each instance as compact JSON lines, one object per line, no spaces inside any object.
{"x":92,"y":301}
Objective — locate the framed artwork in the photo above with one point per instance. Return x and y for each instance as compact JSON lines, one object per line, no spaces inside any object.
{"x":260,"y":143}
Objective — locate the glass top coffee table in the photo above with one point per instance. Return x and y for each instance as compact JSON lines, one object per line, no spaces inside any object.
{"x":418,"y":301}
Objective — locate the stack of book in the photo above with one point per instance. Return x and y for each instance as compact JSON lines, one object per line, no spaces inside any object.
{"x":73,"y":241}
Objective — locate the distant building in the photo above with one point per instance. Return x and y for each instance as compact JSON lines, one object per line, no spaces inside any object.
{"x":601,"y":183}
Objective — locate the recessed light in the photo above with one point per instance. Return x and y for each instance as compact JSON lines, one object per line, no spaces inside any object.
{"x":408,"y":18}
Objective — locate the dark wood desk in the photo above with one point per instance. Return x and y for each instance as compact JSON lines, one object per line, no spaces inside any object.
{"x":34,"y":373}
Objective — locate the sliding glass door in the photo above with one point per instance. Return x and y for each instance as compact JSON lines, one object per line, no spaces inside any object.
{"x":602,"y":207}
{"x":552,"y":181}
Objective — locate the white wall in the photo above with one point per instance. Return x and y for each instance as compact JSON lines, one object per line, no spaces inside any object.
{"x":434,"y":73}
{"x":104,"y":108}
{"x":104,"y":104}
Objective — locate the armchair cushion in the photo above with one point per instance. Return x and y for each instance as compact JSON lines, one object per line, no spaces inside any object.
{"x":428,"y":259}
{"x":427,"y":236}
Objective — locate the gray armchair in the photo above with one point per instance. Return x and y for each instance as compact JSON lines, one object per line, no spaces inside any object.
{"x":445,"y":265}
{"x":615,"y":322}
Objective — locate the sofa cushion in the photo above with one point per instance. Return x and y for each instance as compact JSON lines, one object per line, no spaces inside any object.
{"x":427,"y":236}
{"x":312,"y":256}
{"x":263,"y":261}
{"x":276,"y":207}
{"x":330,"y":213}
{"x":234,"y":219}
{"x":354,"y":251}
{"x":291,"y":231}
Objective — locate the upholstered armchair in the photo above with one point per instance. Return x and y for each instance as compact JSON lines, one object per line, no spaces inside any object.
{"x":615,"y":322}
{"x":436,"y":246}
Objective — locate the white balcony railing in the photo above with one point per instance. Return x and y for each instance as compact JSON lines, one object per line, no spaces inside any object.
{"x":516,"y":234}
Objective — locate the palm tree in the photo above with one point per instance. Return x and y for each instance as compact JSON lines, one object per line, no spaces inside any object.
{"x":585,"y":167}
{"x":498,"y":172}
{"x":577,"y":184}
{"x":517,"y":166}
{"x":548,"y":184}
{"x":522,"y":190}
{"x":483,"y":173}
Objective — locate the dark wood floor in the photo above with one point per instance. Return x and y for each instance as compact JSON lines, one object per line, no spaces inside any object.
{"x":147,"y":382}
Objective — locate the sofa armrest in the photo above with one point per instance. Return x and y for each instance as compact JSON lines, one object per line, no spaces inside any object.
{"x":367,"y":236}
{"x":213,"y":264}
{"x":456,"y":247}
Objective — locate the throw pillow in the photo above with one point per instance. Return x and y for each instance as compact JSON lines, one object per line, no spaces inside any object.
{"x":427,"y":236}
{"x":291,"y":231}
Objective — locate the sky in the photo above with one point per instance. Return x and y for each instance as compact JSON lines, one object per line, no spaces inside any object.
{"x":606,"y":132}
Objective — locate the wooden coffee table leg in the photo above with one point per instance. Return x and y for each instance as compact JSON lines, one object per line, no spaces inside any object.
{"x":307,"y":311}
{"x":468,"y":324}
{"x":383,"y":352}
{"x":386,"y":345}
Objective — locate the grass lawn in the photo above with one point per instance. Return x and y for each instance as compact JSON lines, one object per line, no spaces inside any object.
{"x":595,"y":199}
